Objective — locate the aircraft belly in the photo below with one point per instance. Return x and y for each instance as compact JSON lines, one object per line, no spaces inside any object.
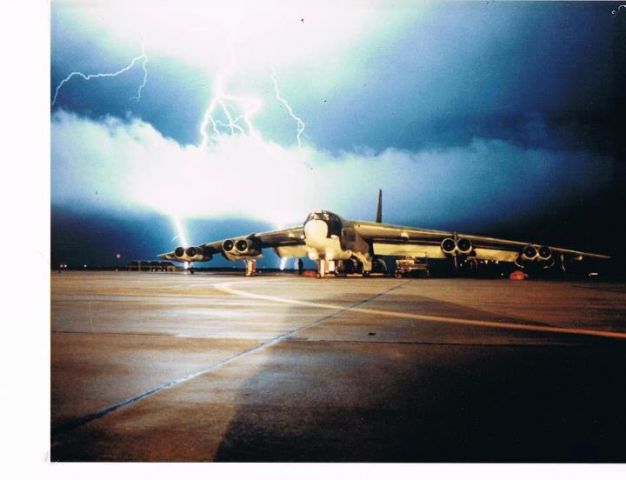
{"x":292,"y":251}
{"x":408,"y":250}
{"x":499,"y":255}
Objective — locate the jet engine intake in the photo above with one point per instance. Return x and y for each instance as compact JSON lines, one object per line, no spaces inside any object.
{"x":538,"y":256}
{"x":460,"y":246}
{"x":197,"y":254}
{"x":228,"y":245}
{"x":529,"y":254}
{"x":241,"y":249}
{"x":464,"y":246}
{"x":191,"y":254}
{"x":545,"y":253}
{"x":448,"y":245}
{"x":248,"y":247}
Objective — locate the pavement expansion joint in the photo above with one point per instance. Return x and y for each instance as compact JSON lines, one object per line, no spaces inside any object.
{"x":78,"y":422}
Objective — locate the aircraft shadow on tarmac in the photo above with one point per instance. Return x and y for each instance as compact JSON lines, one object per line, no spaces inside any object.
{"x":355,"y":387}
{"x":351,"y":401}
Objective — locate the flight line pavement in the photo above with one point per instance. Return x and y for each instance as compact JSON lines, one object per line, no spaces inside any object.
{"x":206,"y":367}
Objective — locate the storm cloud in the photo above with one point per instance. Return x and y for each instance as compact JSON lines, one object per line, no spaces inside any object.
{"x":469,"y":116}
{"x":128,"y":165}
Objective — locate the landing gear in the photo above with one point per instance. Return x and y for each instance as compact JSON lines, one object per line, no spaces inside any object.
{"x":321,"y":268}
{"x":250,"y":267}
{"x":366,"y":264}
{"x":340,"y":269}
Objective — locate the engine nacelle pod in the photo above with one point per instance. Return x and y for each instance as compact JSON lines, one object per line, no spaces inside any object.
{"x":228,"y":245}
{"x":529,"y":254}
{"x":191,"y":254}
{"x":247,"y":246}
{"x":545,"y":253}
{"x":197,"y":254}
{"x":448,"y":246}
{"x":538,"y":256}
{"x":460,"y":246}
{"x":241,"y":249}
{"x":464,"y":246}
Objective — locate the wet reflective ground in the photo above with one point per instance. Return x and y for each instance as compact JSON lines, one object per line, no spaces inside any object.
{"x":175,"y":367}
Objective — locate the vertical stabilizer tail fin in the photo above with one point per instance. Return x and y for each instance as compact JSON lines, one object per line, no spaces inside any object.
{"x":379,"y":208}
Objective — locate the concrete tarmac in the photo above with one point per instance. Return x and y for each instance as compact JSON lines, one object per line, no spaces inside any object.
{"x":207,"y":367}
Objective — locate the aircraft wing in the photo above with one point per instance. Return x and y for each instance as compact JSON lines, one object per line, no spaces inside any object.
{"x":423,"y":243}
{"x":281,"y":238}
{"x":288,"y":241}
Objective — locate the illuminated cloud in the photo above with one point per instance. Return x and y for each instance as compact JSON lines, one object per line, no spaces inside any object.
{"x":199,"y":31}
{"x":115,"y":164}
{"x":266,"y":111}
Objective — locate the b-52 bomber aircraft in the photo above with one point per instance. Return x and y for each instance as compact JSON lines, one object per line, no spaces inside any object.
{"x":356,"y":245}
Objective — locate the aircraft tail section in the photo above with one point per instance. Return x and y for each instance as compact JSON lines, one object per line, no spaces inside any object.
{"x":379,"y":208}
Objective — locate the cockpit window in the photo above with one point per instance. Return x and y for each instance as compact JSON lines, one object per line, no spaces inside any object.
{"x":322,"y":215}
{"x":332,"y":220}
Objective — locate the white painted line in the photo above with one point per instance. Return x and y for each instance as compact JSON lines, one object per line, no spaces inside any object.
{"x":227,"y":288}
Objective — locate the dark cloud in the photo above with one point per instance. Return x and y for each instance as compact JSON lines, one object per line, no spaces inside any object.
{"x":173,"y":99}
{"x":471,"y":70}
{"x":453,"y":72}
{"x":91,"y":237}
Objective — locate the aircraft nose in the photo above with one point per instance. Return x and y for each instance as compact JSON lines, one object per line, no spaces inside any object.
{"x":315,"y":231}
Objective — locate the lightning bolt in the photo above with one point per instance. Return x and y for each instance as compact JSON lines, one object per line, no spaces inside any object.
{"x":237,"y":111}
{"x":226,"y":114}
{"x":281,"y":99}
{"x":140,"y":58}
{"x":232,"y":114}
{"x":145,"y":74}
{"x":180,"y":233}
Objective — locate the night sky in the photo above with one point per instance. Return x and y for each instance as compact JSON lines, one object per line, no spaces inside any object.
{"x":210,"y":121}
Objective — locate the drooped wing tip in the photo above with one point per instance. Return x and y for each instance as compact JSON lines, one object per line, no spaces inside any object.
{"x":597,"y":256}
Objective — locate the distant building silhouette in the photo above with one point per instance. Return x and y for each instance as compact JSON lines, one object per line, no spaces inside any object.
{"x":150,"y":266}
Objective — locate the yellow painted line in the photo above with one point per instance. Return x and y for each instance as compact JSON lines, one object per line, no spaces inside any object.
{"x":226,"y":287}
